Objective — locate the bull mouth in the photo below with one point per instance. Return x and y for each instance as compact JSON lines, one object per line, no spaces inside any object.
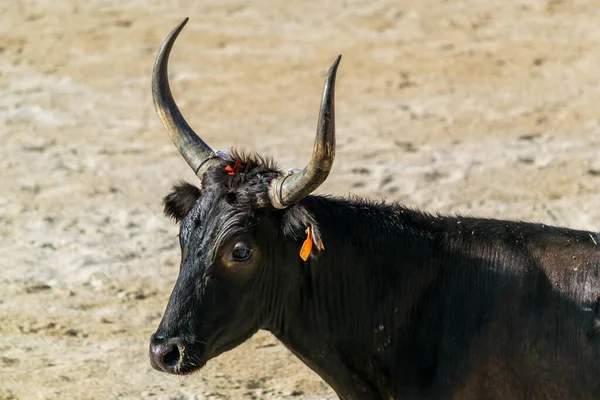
{"x":207,"y":352}
{"x":191,"y":359}
{"x":189,"y":365}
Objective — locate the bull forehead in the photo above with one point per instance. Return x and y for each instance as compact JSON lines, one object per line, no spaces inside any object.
{"x":228,"y":201}
{"x":209,"y":208}
{"x":213,"y":220}
{"x":249,"y":182}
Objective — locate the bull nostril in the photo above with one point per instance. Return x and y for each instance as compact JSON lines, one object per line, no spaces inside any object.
{"x":166,"y":354}
{"x":171,"y":357}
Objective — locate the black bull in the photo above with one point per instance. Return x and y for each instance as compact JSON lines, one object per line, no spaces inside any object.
{"x":389,"y":302}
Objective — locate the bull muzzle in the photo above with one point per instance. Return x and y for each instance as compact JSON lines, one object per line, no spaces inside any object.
{"x":166,"y":355}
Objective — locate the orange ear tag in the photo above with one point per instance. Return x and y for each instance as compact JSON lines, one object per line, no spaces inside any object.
{"x":306,"y":246}
{"x":236,"y":166}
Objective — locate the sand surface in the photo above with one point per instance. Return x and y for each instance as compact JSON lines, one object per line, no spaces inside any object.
{"x":481,"y":107}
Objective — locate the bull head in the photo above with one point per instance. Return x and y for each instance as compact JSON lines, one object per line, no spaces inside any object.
{"x":239,"y":235}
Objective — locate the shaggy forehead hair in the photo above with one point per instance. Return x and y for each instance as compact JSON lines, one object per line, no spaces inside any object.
{"x":249,"y":185}
{"x":236,"y":197}
{"x":246,"y":188}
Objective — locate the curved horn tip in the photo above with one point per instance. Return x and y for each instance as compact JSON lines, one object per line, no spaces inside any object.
{"x":182,"y":23}
{"x":179,"y":27}
{"x":337,"y":61}
{"x":331,"y":74}
{"x":170,"y":40}
{"x":333,"y":69}
{"x":165,"y":49}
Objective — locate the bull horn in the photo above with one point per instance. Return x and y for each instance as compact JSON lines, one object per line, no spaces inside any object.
{"x":196,"y":152}
{"x":292,"y":188}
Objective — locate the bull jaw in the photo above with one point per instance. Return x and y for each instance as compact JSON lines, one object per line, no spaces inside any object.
{"x":187,"y":367}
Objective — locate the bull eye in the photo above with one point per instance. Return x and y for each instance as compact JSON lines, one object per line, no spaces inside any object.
{"x":241,"y":252}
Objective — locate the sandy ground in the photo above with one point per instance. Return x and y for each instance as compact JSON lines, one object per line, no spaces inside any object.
{"x":483,"y":107}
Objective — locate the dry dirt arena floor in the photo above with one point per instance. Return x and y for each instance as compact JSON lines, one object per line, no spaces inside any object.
{"x":482,"y":107}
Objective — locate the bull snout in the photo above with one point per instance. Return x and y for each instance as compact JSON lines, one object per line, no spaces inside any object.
{"x":166,"y":355}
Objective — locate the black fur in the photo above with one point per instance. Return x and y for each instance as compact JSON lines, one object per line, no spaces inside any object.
{"x":400,"y":304}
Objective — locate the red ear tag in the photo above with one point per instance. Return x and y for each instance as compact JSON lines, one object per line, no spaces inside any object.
{"x":306,"y":246}
{"x":234,"y":170}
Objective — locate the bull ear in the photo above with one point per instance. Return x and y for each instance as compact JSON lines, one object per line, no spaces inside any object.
{"x":181,"y":200}
{"x":295,"y":222}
